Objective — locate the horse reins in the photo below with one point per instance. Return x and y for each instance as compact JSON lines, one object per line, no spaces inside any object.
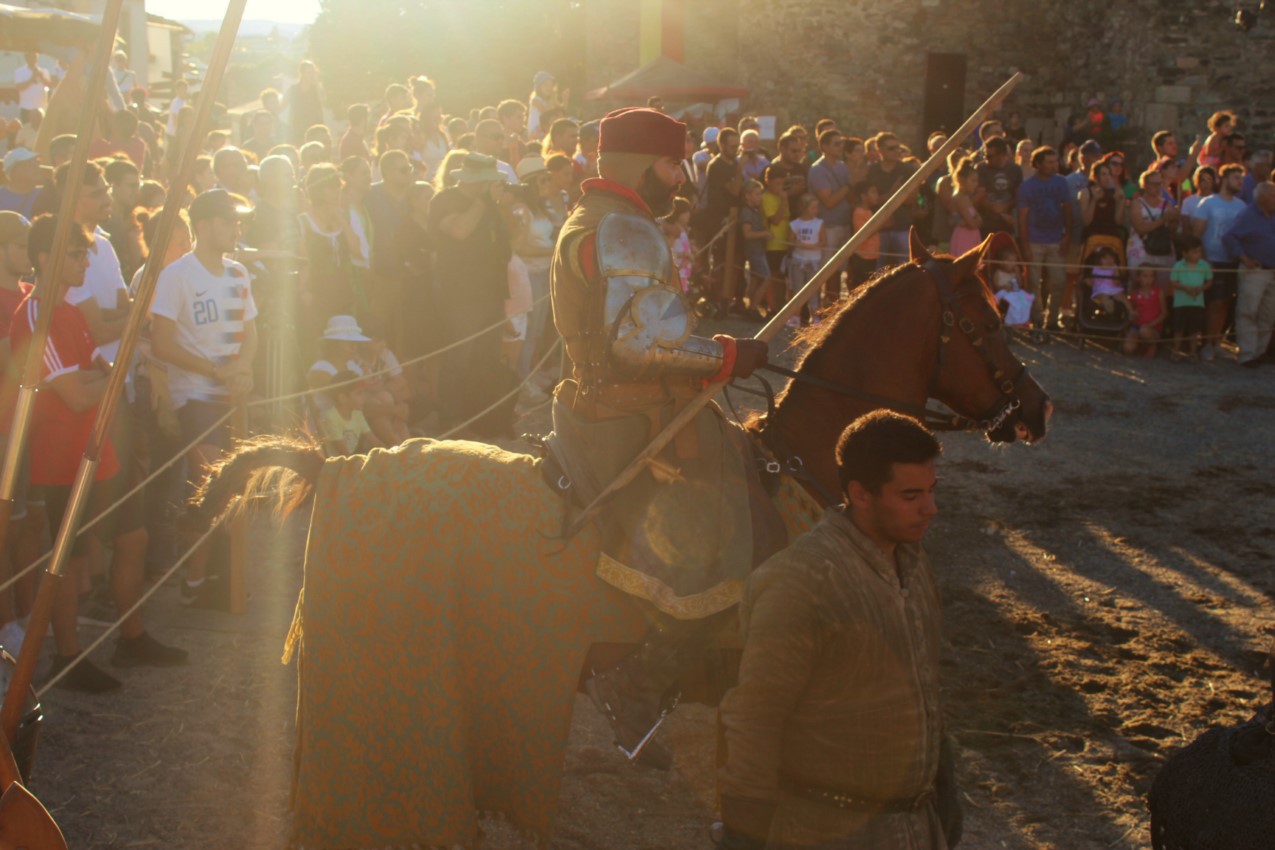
{"x":1006,"y":384}
{"x":937,"y":420}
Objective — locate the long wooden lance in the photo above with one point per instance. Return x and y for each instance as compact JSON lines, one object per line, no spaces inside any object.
{"x":833,"y":266}
{"x":49,"y":291}
{"x":11,"y":712}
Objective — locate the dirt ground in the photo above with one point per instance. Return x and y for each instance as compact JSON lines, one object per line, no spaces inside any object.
{"x":1109,"y":595}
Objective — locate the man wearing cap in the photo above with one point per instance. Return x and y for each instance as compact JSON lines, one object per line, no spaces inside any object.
{"x":22,"y":182}
{"x":73,"y":382}
{"x":202,"y":326}
{"x":680,"y":537}
{"x":471,"y":263}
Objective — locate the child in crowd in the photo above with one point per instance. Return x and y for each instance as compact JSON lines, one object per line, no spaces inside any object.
{"x":755,"y":235}
{"x":386,"y":387}
{"x":1105,"y":285}
{"x":338,"y":352}
{"x":1190,"y":276}
{"x":342,"y":426}
{"x":1015,"y":302}
{"x":676,"y":230}
{"x":1150,"y":308}
{"x":863,"y":262}
{"x":774,"y":209}
{"x":807,"y":236}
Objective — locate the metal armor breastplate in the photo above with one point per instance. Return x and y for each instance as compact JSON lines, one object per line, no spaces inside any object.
{"x":647,"y":321}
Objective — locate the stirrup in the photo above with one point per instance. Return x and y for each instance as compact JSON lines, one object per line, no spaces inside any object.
{"x":637,"y":746}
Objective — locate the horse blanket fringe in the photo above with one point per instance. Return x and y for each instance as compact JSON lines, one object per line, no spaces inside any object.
{"x":440,"y":636}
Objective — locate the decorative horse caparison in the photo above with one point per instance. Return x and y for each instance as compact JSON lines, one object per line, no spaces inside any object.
{"x":443,"y":623}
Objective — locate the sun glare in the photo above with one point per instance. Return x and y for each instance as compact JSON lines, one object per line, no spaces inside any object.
{"x":283,"y":11}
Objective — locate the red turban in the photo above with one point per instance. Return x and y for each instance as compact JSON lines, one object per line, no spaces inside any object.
{"x":639,"y":130}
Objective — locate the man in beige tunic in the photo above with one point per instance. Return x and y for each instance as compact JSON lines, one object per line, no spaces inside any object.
{"x":833,"y":732}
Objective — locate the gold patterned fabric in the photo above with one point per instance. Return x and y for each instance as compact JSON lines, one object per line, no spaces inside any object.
{"x":440,"y":635}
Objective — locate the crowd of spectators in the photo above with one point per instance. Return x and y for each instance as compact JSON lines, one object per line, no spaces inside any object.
{"x":334,"y":253}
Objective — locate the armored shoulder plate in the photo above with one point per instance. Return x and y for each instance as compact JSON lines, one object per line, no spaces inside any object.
{"x":631,"y":245}
{"x":646,"y":316}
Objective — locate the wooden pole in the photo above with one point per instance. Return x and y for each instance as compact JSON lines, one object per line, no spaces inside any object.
{"x":49,"y":292}
{"x":730,"y":274}
{"x":239,"y":530}
{"x":11,"y":713}
{"x":776,"y":322}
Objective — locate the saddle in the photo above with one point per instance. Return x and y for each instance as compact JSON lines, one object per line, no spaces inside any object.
{"x":687,"y":531}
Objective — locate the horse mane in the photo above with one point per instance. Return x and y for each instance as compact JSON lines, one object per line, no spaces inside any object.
{"x":267,"y":467}
{"x":817,"y":336}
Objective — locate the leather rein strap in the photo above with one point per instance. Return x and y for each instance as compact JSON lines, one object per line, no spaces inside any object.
{"x":937,"y":420}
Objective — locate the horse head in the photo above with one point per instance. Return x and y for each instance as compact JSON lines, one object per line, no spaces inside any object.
{"x":976,"y":373}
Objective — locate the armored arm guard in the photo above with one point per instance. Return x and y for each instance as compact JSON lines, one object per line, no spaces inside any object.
{"x":647,"y":320}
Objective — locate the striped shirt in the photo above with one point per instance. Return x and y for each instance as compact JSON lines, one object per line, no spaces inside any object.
{"x":211,"y":313}
{"x":59,"y":435}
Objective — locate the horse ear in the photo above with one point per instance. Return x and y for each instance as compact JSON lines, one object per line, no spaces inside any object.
{"x":972,"y":260}
{"x":916,"y":248}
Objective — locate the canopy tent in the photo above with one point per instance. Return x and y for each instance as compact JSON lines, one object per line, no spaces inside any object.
{"x":664,"y":77}
{"x":24,"y":29}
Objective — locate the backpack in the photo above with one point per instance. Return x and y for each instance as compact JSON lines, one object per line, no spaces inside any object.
{"x":1158,"y":242}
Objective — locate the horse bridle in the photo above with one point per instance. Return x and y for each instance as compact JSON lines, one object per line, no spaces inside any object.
{"x":1008,"y":385}
{"x":937,"y":420}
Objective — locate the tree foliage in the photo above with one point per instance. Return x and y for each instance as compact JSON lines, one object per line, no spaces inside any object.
{"x":478,"y":51}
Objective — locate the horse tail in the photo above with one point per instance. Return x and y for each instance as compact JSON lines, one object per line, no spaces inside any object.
{"x":282,"y":469}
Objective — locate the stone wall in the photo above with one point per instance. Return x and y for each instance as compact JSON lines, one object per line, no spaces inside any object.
{"x":1172,"y":62}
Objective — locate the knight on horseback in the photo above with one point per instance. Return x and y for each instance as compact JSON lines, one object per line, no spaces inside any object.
{"x":683,"y":536}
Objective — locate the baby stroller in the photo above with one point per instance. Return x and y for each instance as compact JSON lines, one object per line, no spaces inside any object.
{"x":1091,"y":320}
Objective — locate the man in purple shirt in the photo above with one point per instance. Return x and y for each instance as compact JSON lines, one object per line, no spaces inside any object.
{"x":1044,"y":226}
{"x":1252,"y":239}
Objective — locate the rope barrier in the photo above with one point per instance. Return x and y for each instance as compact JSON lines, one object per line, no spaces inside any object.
{"x":709,"y":243}
{"x":180,"y":562}
{"x":130,"y":494}
{"x":455,"y":429}
{"x":84,"y":653}
{"x":1028,"y":332}
{"x":181,"y":454}
{"x":412,"y":362}
{"x":1020,"y":261}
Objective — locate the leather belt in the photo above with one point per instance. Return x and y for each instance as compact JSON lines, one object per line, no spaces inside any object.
{"x":849,"y":802}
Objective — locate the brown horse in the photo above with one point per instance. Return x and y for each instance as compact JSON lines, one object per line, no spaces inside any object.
{"x":444,"y":621}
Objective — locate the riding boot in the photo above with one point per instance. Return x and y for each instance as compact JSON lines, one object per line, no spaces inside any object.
{"x":638,"y":693}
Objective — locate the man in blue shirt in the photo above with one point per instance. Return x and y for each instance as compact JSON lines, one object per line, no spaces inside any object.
{"x":1252,"y":239}
{"x":1257,"y":168}
{"x":1044,"y":228}
{"x":829,"y":181}
{"x":1212,"y":218}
